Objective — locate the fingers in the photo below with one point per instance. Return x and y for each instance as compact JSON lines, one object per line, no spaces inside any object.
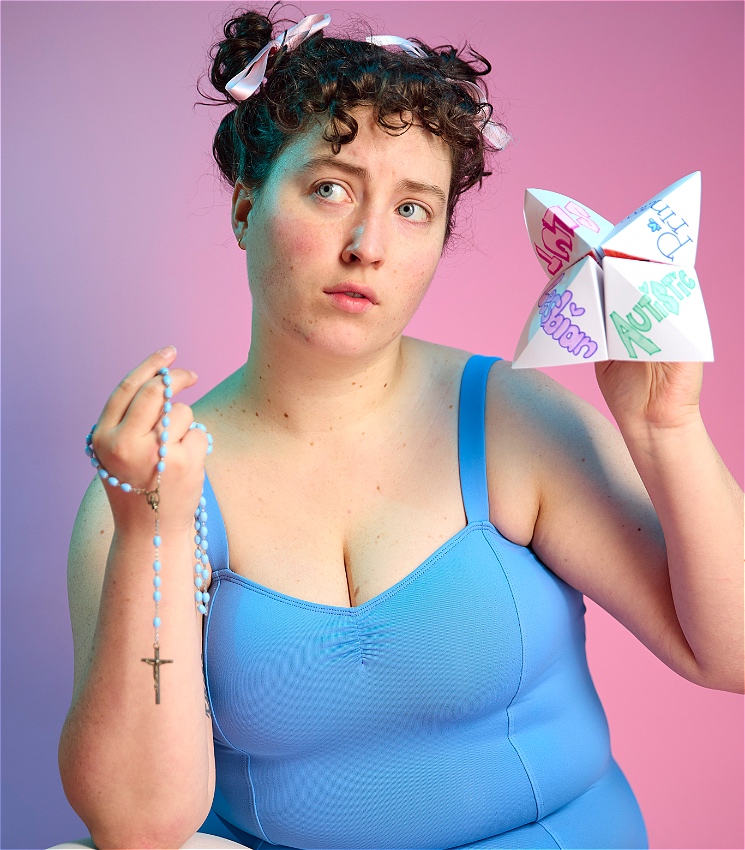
{"x":178,"y":422}
{"x":151,"y":403}
{"x":120,"y":399}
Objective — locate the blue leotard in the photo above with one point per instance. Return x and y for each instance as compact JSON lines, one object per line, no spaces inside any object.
{"x":453,"y":710}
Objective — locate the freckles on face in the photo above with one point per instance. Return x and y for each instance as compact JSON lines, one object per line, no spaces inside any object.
{"x":300,"y":240}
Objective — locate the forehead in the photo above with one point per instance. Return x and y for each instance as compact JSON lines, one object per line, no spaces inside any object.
{"x":415,"y":154}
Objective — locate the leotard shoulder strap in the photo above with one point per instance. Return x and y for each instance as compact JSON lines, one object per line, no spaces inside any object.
{"x":472,"y":437}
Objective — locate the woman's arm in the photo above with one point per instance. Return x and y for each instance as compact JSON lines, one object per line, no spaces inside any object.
{"x":137,"y":773}
{"x":668,"y":567}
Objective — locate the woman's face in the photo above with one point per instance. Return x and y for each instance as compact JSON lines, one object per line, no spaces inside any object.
{"x":341,"y":248}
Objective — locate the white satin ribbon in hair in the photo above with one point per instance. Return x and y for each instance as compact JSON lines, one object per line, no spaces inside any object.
{"x":244,"y":84}
{"x":499,"y":137}
{"x":396,"y":41}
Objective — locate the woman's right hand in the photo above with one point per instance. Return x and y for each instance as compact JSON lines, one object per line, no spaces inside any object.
{"x":126,"y":441}
{"x":136,"y":756}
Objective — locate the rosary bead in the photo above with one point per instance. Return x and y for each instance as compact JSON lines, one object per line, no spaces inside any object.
{"x":200,"y":515}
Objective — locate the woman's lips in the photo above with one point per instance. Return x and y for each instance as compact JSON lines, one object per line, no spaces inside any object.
{"x":350,"y":302}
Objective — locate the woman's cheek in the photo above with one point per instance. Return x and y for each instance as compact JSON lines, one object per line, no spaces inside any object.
{"x":295,"y":239}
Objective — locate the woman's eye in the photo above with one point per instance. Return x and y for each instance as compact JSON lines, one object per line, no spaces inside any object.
{"x":330,"y":191}
{"x":414,"y":212}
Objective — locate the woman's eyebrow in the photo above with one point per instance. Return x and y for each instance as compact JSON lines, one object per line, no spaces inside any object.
{"x":364,"y":174}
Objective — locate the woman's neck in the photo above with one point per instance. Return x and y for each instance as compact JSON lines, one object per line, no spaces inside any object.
{"x":304,"y":392}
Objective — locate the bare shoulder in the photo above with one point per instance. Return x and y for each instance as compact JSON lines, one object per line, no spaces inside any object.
{"x":218,"y":399}
{"x":539,"y":434}
{"x":529,"y":398}
{"x":544,"y":422}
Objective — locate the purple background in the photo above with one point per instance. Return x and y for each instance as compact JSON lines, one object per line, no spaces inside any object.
{"x":116,"y":241}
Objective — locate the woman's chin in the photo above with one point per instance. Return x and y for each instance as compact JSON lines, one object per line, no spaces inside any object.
{"x":346,"y":343}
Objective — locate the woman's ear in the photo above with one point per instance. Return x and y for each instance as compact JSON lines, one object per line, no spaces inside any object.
{"x":241,"y":207}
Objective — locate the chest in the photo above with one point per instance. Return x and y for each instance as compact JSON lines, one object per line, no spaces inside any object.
{"x":339,"y":518}
{"x":339,"y":528}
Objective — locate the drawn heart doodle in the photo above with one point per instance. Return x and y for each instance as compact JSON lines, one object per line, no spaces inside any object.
{"x":575,"y":310}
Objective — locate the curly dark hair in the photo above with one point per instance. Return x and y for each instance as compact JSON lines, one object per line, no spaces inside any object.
{"x":333,"y":76}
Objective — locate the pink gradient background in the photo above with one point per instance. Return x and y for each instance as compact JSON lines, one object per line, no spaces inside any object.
{"x":116,"y":241}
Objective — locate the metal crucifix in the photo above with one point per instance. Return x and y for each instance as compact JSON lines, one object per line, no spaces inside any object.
{"x":156,"y":661}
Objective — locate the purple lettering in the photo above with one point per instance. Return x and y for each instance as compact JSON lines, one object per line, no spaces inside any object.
{"x":571,"y":337}
{"x":589,"y":344}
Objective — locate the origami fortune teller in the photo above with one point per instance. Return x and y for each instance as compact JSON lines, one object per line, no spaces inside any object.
{"x":628,"y":292}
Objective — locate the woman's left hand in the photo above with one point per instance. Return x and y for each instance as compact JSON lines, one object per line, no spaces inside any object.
{"x":650,"y":394}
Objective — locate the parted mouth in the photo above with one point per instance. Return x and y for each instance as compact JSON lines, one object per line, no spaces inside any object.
{"x":353,"y":290}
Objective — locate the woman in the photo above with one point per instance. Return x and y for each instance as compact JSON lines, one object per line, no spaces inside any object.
{"x":359,"y":701}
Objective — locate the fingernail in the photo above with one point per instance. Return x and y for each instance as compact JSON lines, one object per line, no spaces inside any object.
{"x":168,"y":351}
{"x":194,"y":375}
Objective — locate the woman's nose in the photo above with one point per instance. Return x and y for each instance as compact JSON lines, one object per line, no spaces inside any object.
{"x":366,"y":243}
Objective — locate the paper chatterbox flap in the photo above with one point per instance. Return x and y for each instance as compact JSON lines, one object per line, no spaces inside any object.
{"x":664,"y":230}
{"x":566,"y":325}
{"x":562,"y":230}
{"x":654,"y":312}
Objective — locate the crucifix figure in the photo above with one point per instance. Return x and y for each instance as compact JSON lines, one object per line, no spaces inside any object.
{"x":156,"y":662}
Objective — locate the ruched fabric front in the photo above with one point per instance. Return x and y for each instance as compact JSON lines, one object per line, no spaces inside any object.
{"x":454,"y":710}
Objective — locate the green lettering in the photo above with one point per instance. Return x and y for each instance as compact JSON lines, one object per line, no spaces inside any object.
{"x":689,"y":282}
{"x":660,"y":289}
{"x":646,"y":323}
{"x":630,"y":336}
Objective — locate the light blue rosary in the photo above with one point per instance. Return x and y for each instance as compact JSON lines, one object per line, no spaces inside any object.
{"x":201,"y":567}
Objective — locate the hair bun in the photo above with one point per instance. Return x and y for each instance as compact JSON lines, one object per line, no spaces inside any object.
{"x":245,"y":35}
